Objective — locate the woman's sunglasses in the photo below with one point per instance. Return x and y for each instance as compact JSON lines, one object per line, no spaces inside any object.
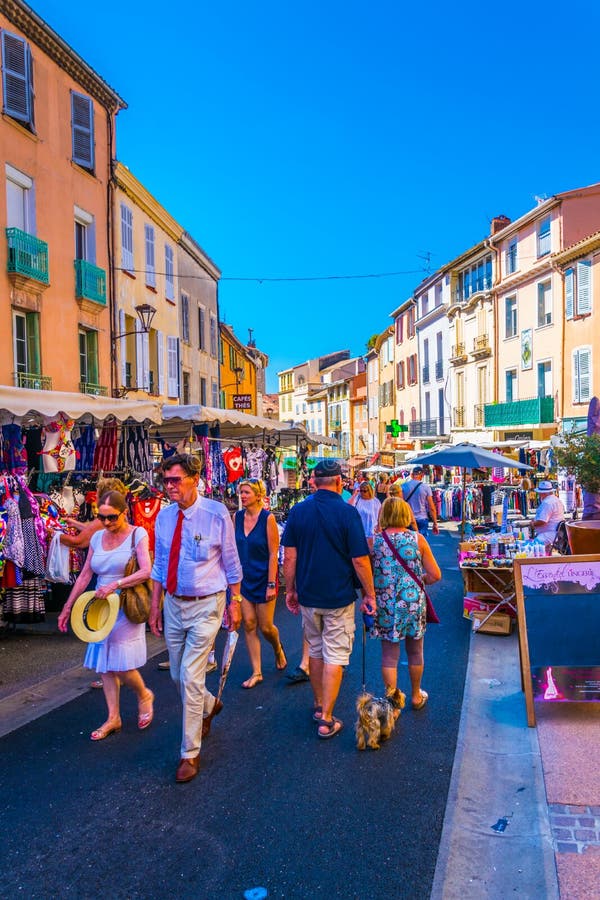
{"x":111,"y":517}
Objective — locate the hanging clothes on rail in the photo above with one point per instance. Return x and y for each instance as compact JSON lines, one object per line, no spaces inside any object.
{"x":105,"y":454}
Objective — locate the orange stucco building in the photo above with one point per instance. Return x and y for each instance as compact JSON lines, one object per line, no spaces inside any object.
{"x":57,"y":142}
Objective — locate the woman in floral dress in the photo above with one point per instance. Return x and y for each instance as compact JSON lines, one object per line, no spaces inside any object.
{"x":401,"y":604}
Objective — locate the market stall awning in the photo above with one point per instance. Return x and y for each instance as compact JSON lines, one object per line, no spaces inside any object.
{"x":233,"y":424}
{"x":20,"y":403}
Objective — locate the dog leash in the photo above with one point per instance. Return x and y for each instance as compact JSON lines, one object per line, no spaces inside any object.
{"x":368,"y":621}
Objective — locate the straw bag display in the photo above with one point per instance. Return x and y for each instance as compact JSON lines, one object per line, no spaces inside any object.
{"x":135,"y":601}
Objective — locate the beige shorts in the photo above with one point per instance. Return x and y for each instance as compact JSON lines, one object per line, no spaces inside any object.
{"x":329,"y":632}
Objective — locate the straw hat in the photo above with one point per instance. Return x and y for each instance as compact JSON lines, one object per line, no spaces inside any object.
{"x":92,"y":618}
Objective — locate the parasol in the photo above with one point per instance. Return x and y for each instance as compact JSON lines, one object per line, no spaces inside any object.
{"x":232,"y":639}
{"x":466,"y":456}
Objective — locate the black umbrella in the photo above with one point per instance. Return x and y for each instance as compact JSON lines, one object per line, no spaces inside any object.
{"x":466,"y":456}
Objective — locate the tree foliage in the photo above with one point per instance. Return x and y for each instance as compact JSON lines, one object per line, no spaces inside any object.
{"x":580,"y":455}
{"x":371,"y":341}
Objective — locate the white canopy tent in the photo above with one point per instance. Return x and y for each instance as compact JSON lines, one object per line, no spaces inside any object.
{"x":233,"y":425}
{"x":24,"y":403}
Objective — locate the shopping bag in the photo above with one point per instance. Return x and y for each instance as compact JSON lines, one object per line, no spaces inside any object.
{"x":57,"y":563}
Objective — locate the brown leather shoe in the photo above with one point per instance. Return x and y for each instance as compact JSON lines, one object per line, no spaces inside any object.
{"x":207,"y":721}
{"x":187,"y":769}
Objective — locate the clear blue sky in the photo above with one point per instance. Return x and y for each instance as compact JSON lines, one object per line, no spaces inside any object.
{"x":341,"y":138}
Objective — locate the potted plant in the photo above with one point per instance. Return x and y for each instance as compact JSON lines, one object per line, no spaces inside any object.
{"x":580,"y":455}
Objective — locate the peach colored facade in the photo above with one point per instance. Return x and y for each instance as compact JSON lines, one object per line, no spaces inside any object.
{"x":406,"y":369}
{"x":54,"y":284}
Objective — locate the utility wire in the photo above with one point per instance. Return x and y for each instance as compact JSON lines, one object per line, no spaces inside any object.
{"x":260,"y":280}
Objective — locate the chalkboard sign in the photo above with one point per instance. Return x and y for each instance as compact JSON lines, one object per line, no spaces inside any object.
{"x":558,"y":602}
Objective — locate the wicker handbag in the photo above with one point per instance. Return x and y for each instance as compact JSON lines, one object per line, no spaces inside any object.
{"x":135,"y":601}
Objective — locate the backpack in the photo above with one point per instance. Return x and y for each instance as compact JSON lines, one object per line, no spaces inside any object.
{"x":561,"y":540}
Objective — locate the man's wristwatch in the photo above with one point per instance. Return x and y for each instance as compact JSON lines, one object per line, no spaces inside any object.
{"x":271,"y":584}
{"x":237,"y":598}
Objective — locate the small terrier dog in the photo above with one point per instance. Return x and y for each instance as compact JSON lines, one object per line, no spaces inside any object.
{"x":377,"y":717}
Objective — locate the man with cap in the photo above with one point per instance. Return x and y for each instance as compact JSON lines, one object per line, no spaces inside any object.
{"x":548,"y":514}
{"x":325,"y":553}
{"x":418,"y":496}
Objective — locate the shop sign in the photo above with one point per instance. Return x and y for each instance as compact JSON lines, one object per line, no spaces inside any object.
{"x":387,"y":459}
{"x":518,"y":435}
{"x":242,"y":401}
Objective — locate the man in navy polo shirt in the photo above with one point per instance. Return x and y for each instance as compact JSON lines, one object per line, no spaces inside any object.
{"x":325,"y":551}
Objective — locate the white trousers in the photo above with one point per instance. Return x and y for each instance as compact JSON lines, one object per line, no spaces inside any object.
{"x":191,"y":627}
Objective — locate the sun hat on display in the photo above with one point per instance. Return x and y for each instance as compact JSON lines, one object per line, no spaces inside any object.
{"x":93,"y":618}
{"x":544,"y":487}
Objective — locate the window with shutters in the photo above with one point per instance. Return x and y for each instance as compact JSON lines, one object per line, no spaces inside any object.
{"x":213,"y":337}
{"x":544,"y":312}
{"x":544,"y":371}
{"x":201,"y":329}
{"x":582,"y":375}
{"x":578,"y":290}
{"x":400,"y":329}
{"x":510,"y":317}
{"x":85,"y":235}
{"x":17,"y":79}
{"x":543,"y":237}
{"x":511,"y":257}
{"x":172,"y":366}
{"x":511,"y":385}
{"x":20,"y":200}
{"x":126,"y":238}
{"x":82,"y":130}
{"x":169,"y":274}
{"x":88,"y":357}
{"x":150,"y":264}
{"x":26,"y":337}
{"x":185,"y":318}
{"x":202,"y":391}
{"x":185,"y":388}
{"x":400,"y":376}
{"x":214,"y":394}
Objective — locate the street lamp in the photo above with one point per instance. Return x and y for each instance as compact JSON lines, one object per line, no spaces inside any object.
{"x":145,"y":314}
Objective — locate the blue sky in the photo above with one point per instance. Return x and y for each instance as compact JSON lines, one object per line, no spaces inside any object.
{"x":341,"y":138}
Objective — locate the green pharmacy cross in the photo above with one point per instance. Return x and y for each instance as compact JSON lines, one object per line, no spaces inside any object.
{"x":395,"y":428}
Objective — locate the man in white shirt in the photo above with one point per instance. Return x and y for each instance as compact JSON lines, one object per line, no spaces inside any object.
{"x":548,"y":514}
{"x":196,"y":559}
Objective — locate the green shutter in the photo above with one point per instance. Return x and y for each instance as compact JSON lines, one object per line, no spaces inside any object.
{"x":33,"y":343}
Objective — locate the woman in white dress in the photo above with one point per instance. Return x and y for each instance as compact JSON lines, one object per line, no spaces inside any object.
{"x":118,"y":656}
{"x":367,"y":506}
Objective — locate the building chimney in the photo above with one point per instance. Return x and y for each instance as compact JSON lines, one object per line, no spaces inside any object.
{"x":498,"y":223}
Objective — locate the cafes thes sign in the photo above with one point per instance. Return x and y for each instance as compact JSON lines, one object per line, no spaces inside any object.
{"x":242,"y":401}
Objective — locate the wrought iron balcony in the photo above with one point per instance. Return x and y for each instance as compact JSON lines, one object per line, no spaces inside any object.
{"x":27,"y":255}
{"x":335,"y":425}
{"x":459,"y":416}
{"x":533,"y":411}
{"x":34,"y":381}
{"x":97,"y":390}
{"x":481,"y":345}
{"x":425,"y":374}
{"x":479,"y":414}
{"x":90,"y":282}
{"x":439,"y":370}
{"x":458,"y":353}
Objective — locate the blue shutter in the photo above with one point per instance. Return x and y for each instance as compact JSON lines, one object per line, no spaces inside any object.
{"x":82,"y":128}
{"x":17,"y":78}
{"x":150,"y":267}
{"x":569,"y":294}
{"x":584,"y":294}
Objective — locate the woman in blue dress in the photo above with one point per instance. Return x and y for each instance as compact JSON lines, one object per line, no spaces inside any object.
{"x":119,"y":656}
{"x":257,"y":539}
{"x":401,"y":604}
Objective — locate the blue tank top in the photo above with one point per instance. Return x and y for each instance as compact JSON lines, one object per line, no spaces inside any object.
{"x":253,"y":550}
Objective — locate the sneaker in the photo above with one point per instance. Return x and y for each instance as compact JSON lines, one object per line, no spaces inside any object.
{"x":164,"y":665}
{"x":211,"y":666}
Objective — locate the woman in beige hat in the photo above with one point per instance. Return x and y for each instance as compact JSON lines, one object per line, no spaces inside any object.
{"x":119,"y":655}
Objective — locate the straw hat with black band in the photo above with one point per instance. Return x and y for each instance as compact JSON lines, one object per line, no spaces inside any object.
{"x":93,"y":618}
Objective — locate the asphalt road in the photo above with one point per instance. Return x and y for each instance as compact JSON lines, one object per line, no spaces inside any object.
{"x":272,"y":806}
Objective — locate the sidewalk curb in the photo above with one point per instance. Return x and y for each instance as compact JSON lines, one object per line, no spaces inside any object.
{"x":30,"y":703}
{"x":497,"y":774}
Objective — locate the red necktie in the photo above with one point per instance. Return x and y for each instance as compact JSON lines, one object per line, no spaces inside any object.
{"x":174,"y":556}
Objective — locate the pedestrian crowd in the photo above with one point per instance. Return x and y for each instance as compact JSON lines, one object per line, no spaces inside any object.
{"x":209,"y":569}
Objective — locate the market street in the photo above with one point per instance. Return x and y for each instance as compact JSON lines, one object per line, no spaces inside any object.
{"x":272,"y":806}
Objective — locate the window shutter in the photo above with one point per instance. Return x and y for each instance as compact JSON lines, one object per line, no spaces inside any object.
{"x":150,"y":267}
{"x":139,"y":359}
{"x":16,"y":78}
{"x":82,"y":126}
{"x":584,"y":294}
{"x":123,"y":347}
{"x":584,"y":374}
{"x":160,"y":363}
{"x":569,"y":304}
{"x":146,"y":360}
{"x":172,"y":366}
{"x":169,"y":273}
{"x":126,"y":238}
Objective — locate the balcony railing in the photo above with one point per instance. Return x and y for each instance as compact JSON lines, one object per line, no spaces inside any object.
{"x":335,"y":425}
{"x":481,"y":344}
{"x":97,"y":390}
{"x":458,"y":351}
{"x":439,"y":370}
{"x":459,"y":417}
{"x":479,"y":414}
{"x":27,"y":255}
{"x":533,"y":411}
{"x":90,"y":282}
{"x":33,"y":381}
{"x":425,"y":374}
